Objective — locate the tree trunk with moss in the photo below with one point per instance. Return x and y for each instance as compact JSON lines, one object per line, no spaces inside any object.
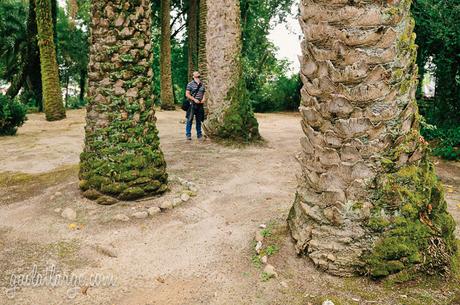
{"x":122,"y":157}
{"x":166,"y":90}
{"x":368,"y":199}
{"x":192,"y":33}
{"x":52,"y":96}
{"x":230,"y":115}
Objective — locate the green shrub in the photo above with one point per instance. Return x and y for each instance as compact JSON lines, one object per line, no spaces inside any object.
{"x":445,"y":140}
{"x":12,"y":115}
{"x":74,"y":102}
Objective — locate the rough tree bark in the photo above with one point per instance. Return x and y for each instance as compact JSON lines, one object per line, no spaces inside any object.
{"x":52,"y":96}
{"x":202,"y":25}
{"x":230,"y":114}
{"x":368,"y":199}
{"x":192,"y":33}
{"x":122,"y":158}
{"x":166,"y":90}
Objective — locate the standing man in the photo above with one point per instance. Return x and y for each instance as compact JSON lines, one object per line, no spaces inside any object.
{"x":195,"y":93}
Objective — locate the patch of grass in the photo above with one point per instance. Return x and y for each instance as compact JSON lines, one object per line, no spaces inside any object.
{"x":272,"y":249}
{"x":256,"y":261}
{"x":21,"y":186}
{"x":265,"y":277}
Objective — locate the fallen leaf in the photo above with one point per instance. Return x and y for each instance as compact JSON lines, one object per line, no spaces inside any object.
{"x":84,"y":289}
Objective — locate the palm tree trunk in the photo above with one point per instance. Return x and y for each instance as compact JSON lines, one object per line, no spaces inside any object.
{"x":52,"y":96}
{"x":368,"y":200}
{"x":202,"y":26}
{"x":166,"y":91}
{"x":122,"y":157}
{"x":230,"y":114}
{"x":192,"y":31}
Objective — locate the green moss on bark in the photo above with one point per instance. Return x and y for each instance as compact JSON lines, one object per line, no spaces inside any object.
{"x":416,"y":232}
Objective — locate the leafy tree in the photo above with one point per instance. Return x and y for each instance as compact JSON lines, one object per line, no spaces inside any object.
{"x":262,"y":70}
{"x":438,"y":38}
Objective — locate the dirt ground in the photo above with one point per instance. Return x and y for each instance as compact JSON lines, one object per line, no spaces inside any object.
{"x":201,"y":252}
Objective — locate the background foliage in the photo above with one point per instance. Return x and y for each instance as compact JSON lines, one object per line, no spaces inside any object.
{"x":438,"y":37}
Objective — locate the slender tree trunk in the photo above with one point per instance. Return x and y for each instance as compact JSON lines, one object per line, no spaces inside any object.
{"x":368,"y":199}
{"x":166,"y":91}
{"x":83,"y":75}
{"x":230,"y":114}
{"x":52,"y":96}
{"x":122,"y":157}
{"x":34,"y":76}
{"x":192,"y":31}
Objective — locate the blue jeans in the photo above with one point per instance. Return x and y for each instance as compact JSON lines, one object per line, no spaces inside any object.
{"x":188,"y":127}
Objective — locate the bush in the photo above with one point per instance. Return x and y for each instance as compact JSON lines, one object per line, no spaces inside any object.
{"x":12,"y":115}
{"x":445,"y":140}
{"x":74,"y":102}
{"x":281,"y":94}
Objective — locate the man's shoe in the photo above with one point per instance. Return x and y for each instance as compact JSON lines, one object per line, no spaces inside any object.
{"x":189,"y":138}
{"x":200,"y":138}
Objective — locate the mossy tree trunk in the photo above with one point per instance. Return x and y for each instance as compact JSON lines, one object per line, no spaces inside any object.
{"x":368,"y":199}
{"x":122,"y":157}
{"x":166,"y":90}
{"x":192,"y":33}
{"x":230,"y":115}
{"x":52,"y":96}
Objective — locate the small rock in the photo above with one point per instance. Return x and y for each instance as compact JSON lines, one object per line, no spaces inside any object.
{"x":140,"y":215}
{"x":69,"y":214}
{"x":259,"y":236}
{"x":264,"y":259}
{"x":153,"y":211}
{"x":160,"y":279}
{"x":58,"y":210}
{"x":328,"y":302}
{"x":166,"y":205}
{"x":263,"y":226}
{"x":106,"y":200}
{"x":270,"y":271}
{"x":58,"y":194}
{"x":121,"y":217}
{"x":258,"y":246}
{"x":193,"y":189}
{"x":284,"y":284}
{"x":52,"y":197}
{"x":176,"y":202}
{"x":185,"y":197}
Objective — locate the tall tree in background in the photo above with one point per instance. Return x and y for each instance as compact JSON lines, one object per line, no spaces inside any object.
{"x":166,"y":91}
{"x":52,"y":96}
{"x":34,"y":76}
{"x":192,"y":36}
{"x":368,"y":199}
{"x":202,"y":32}
{"x":122,"y":157}
{"x":230,"y":114}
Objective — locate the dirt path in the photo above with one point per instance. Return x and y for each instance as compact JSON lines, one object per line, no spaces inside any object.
{"x":197,"y":253}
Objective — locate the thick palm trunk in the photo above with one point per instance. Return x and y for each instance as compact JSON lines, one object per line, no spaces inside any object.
{"x":122,"y":156}
{"x":192,"y":33}
{"x":230,"y":115}
{"x":52,"y":96}
{"x":202,"y":25}
{"x":166,"y":91}
{"x":368,"y":199}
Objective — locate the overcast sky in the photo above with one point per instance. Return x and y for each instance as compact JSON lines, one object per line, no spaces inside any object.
{"x":287,"y":38}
